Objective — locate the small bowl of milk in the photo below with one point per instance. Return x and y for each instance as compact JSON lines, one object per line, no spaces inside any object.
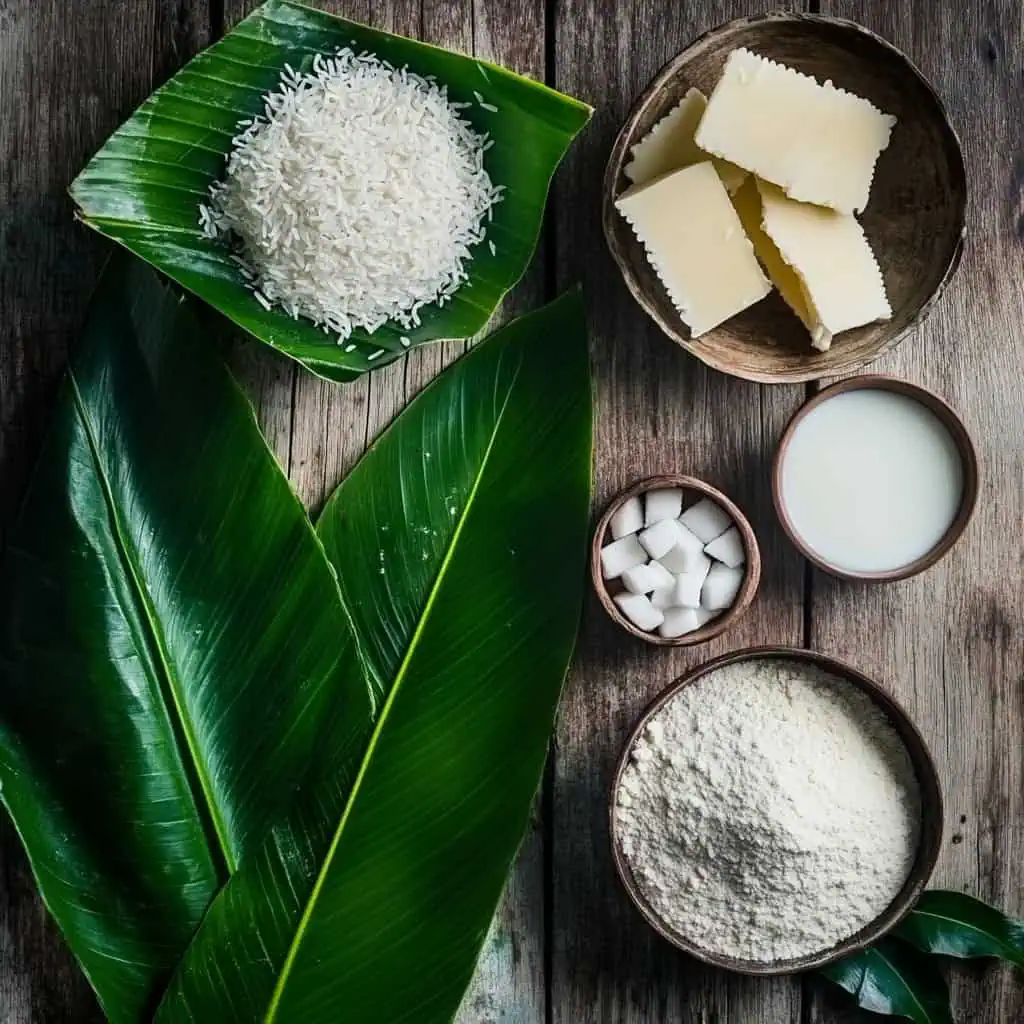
{"x":875,"y":478}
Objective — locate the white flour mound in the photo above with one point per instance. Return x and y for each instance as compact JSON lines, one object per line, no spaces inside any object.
{"x":769,"y":811}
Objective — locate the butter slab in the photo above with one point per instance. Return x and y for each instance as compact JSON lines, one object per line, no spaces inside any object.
{"x":696,"y":245}
{"x":820,"y":260}
{"x":669,"y":146}
{"x":818,"y":143}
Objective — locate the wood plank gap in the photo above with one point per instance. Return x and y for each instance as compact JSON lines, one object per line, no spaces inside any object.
{"x":217,"y":26}
{"x":547,"y":832}
{"x":550,"y":290}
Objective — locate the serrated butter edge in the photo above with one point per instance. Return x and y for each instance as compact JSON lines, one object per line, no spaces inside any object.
{"x":682,"y":308}
{"x":827,"y":84}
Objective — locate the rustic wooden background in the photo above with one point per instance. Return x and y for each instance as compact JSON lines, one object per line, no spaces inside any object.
{"x":568,"y":949}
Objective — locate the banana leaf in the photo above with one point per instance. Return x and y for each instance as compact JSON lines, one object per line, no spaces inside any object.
{"x":460,"y":543}
{"x":144,"y":187}
{"x":895,"y":980}
{"x":955,"y":924}
{"x":172,"y":643}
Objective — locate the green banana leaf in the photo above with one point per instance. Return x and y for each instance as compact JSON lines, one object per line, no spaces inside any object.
{"x":896,"y":980}
{"x":460,"y":542}
{"x":144,"y":187}
{"x":172,"y":643}
{"x":958,"y":925}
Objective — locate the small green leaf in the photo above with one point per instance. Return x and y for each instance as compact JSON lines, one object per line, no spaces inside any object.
{"x":893,"y":979}
{"x":955,"y":924}
{"x":144,"y":187}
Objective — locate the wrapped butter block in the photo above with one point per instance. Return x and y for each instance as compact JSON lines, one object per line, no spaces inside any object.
{"x":727,"y":549}
{"x":642,"y":579}
{"x":639,"y":610}
{"x":820,"y":261}
{"x":669,"y":145}
{"x":816,"y":142}
{"x":628,"y":519}
{"x":696,"y":245}
{"x":621,"y":555}
{"x":706,"y":520}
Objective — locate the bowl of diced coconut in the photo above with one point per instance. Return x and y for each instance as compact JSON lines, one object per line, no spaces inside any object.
{"x":674,"y":561}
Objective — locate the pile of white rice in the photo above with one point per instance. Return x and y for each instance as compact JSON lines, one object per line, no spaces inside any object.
{"x":356,"y":199}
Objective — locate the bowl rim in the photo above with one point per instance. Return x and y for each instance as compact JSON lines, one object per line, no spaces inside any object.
{"x":751,"y":580}
{"x":961,"y":438}
{"x":610,"y":217}
{"x":932,"y":822}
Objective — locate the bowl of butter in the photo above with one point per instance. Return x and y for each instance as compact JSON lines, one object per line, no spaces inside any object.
{"x":787,"y":198}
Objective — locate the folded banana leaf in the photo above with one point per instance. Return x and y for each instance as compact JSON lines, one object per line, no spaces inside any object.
{"x":172,"y":643}
{"x":460,"y":543}
{"x":144,"y":187}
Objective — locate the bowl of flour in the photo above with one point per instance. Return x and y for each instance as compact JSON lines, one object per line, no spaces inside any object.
{"x":773,"y":811}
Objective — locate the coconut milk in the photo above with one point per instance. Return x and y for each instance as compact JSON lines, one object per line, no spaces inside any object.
{"x":871,"y":480}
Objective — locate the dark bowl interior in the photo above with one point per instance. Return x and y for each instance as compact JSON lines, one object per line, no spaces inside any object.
{"x":929,"y":845}
{"x":914,"y":219}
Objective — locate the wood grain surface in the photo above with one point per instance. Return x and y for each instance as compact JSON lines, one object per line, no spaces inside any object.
{"x":567,"y":948}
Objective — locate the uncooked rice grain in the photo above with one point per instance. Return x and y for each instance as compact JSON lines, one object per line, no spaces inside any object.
{"x":357,"y":198}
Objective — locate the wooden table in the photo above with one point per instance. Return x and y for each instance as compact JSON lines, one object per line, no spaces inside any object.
{"x":568,"y":949}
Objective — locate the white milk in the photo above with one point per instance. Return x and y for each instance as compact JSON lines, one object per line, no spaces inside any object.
{"x":871,"y":480}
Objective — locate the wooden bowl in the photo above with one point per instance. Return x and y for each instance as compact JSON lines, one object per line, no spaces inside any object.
{"x":962,"y":440}
{"x":929,"y":844}
{"x":914,"y":219}
{"x":693,"y":490}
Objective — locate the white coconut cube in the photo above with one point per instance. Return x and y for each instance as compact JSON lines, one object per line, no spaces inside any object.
{"x":621,"y":555}
{"x":639,"y":610}
{"x":689,"y":584}
{"x":642,"y":579}
{"x":706,"y":520}
{"x":728,"y":548}
{"x":678,"y":622}
{"x":664,"y":597}
{"x":661,"y":538}
{"x":662,"y":503}
{"x":721,"y":587}
{"x":704,"y":615}
{"x":629,"y":518}
{"x":685,"y":554}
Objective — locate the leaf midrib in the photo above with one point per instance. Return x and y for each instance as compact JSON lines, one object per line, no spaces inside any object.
{"x":167,"y":683}
{"x":1018,"y":955}
{"x":898,"y":974}
{"x":293,"y":949}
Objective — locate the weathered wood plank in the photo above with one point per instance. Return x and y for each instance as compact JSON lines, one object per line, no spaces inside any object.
{"x":319,"y":430}
{"x":70,"y":72}
{"x":950,"y":644}
{"x":658,"y":410}
{"x":510,"y":984}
